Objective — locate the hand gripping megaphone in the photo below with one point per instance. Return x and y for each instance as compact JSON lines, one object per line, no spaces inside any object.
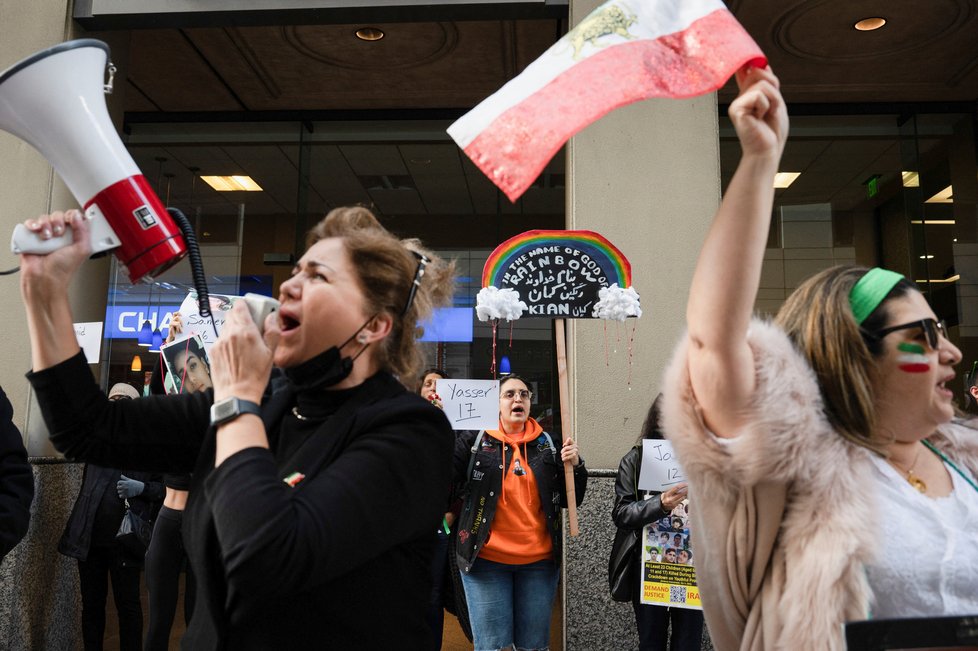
{"x":54,"y":100}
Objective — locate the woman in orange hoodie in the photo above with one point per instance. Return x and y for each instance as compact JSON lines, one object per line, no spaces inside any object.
{"x":509,"y":528}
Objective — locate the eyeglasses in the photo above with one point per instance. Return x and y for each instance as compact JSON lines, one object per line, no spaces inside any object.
{"x":119,"y":396}
{"x":512,"y":393}
{"x":932,"y":328}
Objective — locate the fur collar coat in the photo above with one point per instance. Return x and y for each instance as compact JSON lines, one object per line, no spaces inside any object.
{"x":783,"y":518}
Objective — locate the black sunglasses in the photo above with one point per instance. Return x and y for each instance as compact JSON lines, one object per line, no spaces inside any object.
{"x":932,"y":328}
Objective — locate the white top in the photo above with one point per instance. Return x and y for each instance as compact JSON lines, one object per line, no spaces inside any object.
{"x":927,"y":563}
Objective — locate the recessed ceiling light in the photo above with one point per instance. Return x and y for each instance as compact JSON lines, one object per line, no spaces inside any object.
{"x":926,"y":257}
{"x":910,"y":179}
{"x":369,"y":34}
{"x":870,"y":24}
{"x":784,"y":179}
{"x":232,"y":183}
{"x":944,"y":196}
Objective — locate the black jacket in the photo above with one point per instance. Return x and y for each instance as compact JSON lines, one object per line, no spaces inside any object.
{"x":631,"y":509}
{"x":16,"y":481}
{"x":98,"y":484}
{"x":480,"y":491}
{"x":342,"y":560}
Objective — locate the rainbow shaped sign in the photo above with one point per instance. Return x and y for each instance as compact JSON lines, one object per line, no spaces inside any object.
{"x":557,"y":273}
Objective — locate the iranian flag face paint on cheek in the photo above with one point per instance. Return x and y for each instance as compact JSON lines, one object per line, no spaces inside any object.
{"x":912,"y":358}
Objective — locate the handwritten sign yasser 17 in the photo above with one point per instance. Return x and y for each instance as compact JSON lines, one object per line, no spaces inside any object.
{"x":470,"y":404}
{"x":660,"y":467}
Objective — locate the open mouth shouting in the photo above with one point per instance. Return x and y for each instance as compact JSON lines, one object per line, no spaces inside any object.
{"x":942,"y":388}
{"x":287,"y":321}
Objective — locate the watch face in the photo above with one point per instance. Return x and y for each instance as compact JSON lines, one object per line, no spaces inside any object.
{"x":224,"y":409}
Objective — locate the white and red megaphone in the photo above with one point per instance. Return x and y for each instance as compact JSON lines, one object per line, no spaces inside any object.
{"x":55,"y":101}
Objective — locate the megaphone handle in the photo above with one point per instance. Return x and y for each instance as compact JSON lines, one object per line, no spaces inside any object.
{"x":103,"y":238}
{"x":26,"y":241}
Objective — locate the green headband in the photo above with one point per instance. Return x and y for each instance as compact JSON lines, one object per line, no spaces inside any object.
{"x":870,"y":290}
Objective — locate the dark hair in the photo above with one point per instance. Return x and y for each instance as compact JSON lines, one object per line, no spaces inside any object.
{"x":387,"y":269}
{"x":970,"y":380}
{"x":437,"y":371}
{"x":428,"y":371}
{"x":651,"y":428}
{"x":192,"y":345}
{"x":512,"y":376}
{"x":843,"y":354}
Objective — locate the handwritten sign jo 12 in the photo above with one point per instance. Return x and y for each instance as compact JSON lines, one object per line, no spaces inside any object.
{"x":470,"y":404}
{"x":660,"y":467}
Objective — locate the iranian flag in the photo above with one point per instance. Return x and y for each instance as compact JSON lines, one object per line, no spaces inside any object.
{"x":624,"y":51}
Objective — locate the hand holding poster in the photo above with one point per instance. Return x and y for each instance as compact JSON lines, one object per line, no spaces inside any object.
{"x":470,"y":404}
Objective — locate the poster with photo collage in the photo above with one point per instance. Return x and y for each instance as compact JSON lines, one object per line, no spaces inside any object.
{"x":668,"y":574}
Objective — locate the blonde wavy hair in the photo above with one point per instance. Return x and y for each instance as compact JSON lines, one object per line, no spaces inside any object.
{"x":386,"y":268}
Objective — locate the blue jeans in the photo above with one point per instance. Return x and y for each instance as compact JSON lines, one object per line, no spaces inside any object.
{"x":509,"y":605}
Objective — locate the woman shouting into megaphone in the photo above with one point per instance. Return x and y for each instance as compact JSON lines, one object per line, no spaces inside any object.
{"x":315,"y":496}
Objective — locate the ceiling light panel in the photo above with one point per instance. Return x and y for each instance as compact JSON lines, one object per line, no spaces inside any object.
{"x":784,"y":179}
{"x":232,"y":183}
{"x":944,"y":196}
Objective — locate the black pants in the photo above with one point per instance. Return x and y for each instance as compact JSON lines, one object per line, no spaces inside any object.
{"x":93,"y":574}
{"x":164,"y":560}
{"x":653,"y":622}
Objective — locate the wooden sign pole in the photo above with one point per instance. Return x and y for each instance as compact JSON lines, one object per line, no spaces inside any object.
{"x":565,"y":424}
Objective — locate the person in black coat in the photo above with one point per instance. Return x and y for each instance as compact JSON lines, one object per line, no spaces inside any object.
{"x":90,"y":537}
{"x":632,"y":510}
{"x":311,"y":518}
{"x":16,"y":481}
{"x":166,"y":557}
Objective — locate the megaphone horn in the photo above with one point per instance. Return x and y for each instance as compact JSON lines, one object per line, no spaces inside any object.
{"x":54,"y":100}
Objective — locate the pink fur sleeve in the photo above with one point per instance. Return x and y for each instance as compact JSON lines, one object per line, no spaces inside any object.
{"x":786,"y":437}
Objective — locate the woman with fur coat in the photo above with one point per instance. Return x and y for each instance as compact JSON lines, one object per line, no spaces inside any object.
{"x":817,"y":446}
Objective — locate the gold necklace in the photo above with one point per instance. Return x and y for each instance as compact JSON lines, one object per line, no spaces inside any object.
{"x":912,"y":478}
